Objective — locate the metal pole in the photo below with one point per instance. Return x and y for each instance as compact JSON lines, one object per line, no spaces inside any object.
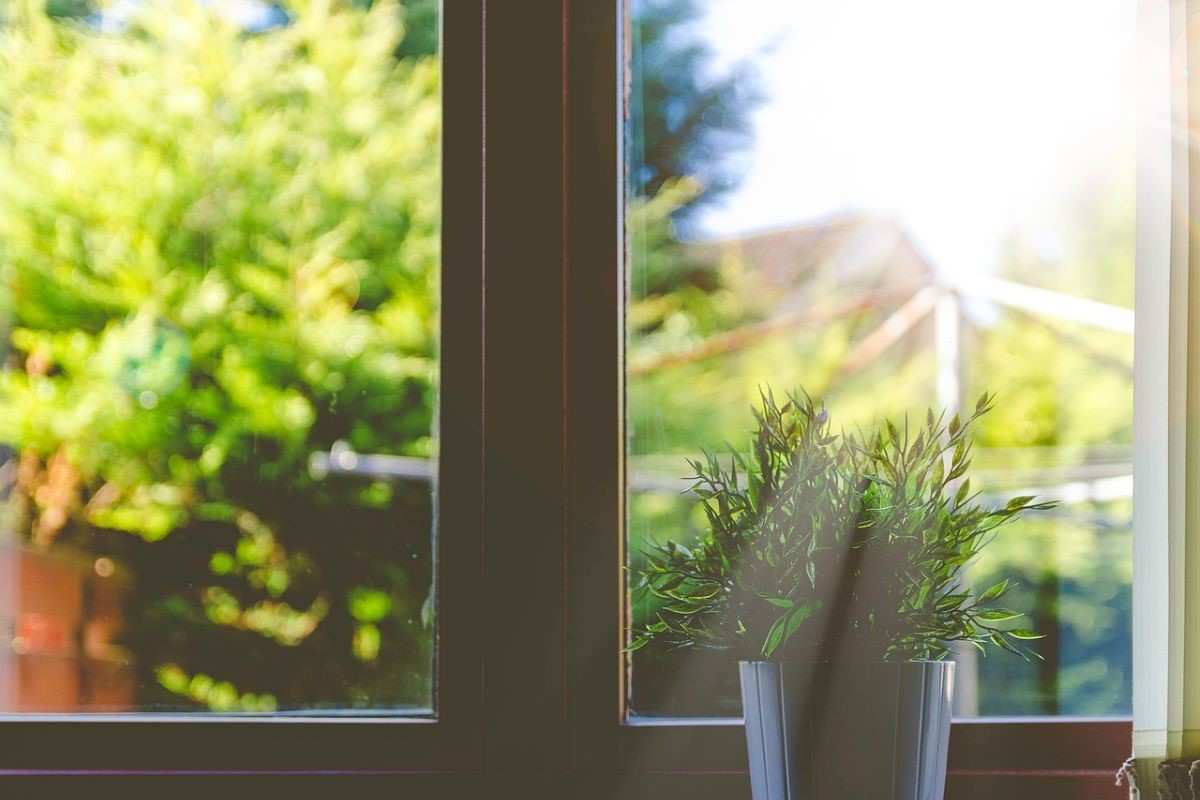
{"x":947,"y":323}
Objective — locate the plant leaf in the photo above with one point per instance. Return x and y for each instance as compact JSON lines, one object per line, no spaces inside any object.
{"x":785,"y":626}
{"x":1025,"y":635}
{"x":994,"y":592}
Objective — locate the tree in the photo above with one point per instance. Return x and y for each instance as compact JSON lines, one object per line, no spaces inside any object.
{"x":220,"y":254}
{"x":688,"y":119}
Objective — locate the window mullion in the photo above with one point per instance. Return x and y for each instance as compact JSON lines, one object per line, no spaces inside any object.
{"x":519,"y":610}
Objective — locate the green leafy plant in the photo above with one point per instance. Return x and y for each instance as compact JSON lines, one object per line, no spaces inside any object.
{"x":829,"y":546}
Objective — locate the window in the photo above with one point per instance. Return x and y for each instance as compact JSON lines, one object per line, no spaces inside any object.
{"x":223,"y":303}
{"x":892,"y":217}
{"x":221,"y":380}
{"x":528,"y":690}
{"x":663,"y":735}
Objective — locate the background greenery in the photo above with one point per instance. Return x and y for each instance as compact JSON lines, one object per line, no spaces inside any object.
{"x":219,"y":255}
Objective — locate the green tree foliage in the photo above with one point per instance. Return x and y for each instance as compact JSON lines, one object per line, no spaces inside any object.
{"x":1068,"y":399}
{"x":220,"y":254}
{"x":689,"y":118}
{"x":421,"y":26}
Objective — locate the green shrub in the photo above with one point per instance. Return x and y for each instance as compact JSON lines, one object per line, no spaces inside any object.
{"x":219,"y":254}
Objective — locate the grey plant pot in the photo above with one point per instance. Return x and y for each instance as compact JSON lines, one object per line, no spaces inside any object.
{"x":838,"y":731}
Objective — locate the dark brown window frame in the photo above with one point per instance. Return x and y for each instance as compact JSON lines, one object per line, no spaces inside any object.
{"x":530,"y":496}
{"x":1028,"y":757}
{"x":44,"y":755}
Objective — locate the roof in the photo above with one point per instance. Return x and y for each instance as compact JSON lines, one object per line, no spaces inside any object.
{"x":839,"y":255}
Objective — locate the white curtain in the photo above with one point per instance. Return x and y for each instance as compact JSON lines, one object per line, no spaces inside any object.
{"x":1166,"y":593}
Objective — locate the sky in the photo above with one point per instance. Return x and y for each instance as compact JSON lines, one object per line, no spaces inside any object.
{"x":963,"y":119}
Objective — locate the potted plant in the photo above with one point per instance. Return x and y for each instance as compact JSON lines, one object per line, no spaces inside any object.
{"x":832,"y":569}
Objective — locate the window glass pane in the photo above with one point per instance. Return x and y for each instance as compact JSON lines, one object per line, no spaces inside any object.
{"x":219,"y":250}
{"x":893,"y":207}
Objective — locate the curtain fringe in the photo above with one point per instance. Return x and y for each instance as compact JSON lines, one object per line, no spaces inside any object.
{"x":1128,"y":774}
{"x":1177,"y":780}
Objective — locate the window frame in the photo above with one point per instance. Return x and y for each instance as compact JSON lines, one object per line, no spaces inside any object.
{"x":1060,"y":756}
{"x":529,"y":672}
{"x":436,"y":752}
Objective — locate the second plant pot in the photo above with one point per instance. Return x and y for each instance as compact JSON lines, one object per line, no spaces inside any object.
{"x":834,"y":731}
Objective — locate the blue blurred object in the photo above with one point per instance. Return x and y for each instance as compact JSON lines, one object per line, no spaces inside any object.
{"x":252,"y":16}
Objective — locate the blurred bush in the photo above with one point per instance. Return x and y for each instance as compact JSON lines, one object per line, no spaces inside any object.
{"x":220,"y":254}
